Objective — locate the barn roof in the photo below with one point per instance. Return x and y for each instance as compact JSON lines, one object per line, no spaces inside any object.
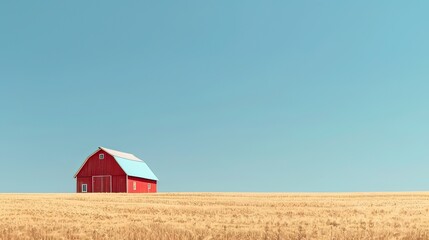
{"x":135,"y":168}
{"x":132,"y":165}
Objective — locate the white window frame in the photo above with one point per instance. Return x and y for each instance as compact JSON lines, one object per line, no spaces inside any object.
{"x":101,"y":156}
{"x":148,"y":186}
{"x":134,"y":185}
{"x":86,"y":187}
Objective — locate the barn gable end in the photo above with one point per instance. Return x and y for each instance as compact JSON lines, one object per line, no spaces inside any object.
{"x":94,"y":166}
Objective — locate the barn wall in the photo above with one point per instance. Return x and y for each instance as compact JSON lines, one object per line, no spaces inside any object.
{"x":83,"y":180}
{"x":141,"y":185}
{"x":119,"y":183}
{"x":96,"y":167}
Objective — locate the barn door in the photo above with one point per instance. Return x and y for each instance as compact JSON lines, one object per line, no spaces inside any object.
{"x":102,"y":183}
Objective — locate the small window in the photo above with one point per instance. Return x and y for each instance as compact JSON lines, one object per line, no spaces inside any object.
{"x":101,"y":156}
{"x":148,"y":186}
{"x":134,"y":186}
{"x":84,"y":188}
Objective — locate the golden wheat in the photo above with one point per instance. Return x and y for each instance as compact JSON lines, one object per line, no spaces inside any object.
{"x":215,"y":216}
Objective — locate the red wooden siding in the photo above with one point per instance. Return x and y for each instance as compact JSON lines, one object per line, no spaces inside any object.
{"x":84,"y":180}
{"x":142,"y":185}
{"x":96,"y":167}
{"x":119,"y":183}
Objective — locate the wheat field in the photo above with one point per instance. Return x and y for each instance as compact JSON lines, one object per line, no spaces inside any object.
{"x":215,"y":216}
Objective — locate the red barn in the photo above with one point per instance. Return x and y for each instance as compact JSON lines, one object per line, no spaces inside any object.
{"x":107,"y":170}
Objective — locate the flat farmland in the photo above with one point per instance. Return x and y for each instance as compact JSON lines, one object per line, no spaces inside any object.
{"x":215,"y":216}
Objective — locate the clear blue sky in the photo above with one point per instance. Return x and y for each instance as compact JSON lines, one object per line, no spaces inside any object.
{"x":218,"y":95}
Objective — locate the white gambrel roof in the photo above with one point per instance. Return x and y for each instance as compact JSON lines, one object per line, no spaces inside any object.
{"x":128,"y":156}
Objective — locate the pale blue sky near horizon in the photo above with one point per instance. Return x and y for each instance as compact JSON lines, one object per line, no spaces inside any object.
{"x":253,"y":96}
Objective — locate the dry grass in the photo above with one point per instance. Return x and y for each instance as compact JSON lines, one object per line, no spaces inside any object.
{"x":215,"y":216}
